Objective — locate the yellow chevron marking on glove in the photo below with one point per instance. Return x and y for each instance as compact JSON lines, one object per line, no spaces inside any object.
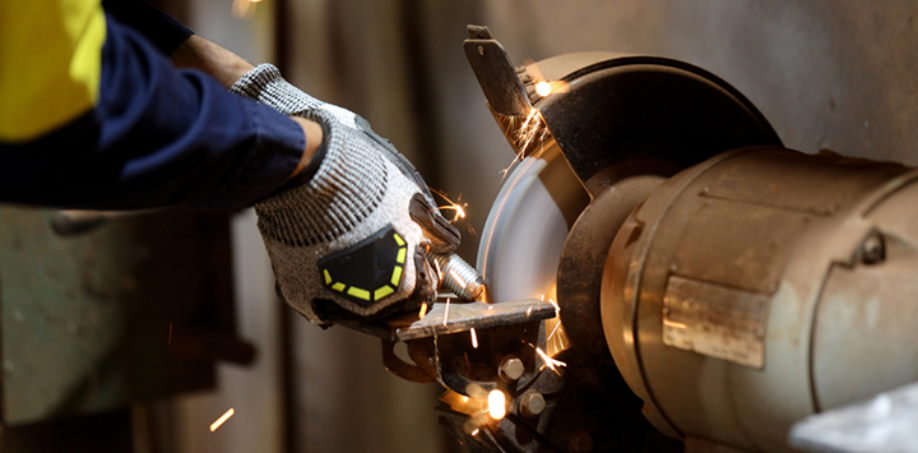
{"x":396,"y":275}
{"x":328,"y":278}
{"x":401,"y":255}
{"x":399,"y":240}
{"x":358,"y":293}
{"x":339,"y":286}
{"x":382,"y":291}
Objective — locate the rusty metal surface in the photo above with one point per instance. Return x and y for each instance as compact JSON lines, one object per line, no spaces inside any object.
{"x":716,"y":321}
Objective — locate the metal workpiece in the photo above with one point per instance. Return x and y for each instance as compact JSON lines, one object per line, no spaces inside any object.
{"x":761,"y":286}
{"x":459,"y":277}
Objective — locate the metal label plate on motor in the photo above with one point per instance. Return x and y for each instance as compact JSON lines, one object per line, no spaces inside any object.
{"x":715,"y":321}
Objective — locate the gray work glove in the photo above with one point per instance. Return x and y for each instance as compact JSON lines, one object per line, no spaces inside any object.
{"x":349,"y":237}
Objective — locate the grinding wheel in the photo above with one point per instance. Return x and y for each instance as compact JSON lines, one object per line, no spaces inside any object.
{"x":527,"y":226}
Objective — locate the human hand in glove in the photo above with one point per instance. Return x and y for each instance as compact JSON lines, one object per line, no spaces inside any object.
{"x":349,"y":236}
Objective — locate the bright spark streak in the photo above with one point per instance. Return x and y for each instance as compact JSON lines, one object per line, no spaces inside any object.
{"x":474,"y":338}
{"x":439,"y":271}
{"x":223,"y":418}
{"x":497,"y":404}
{"x":423,"y":311}
{"x":677,"y":325}
{"x":446,"y":313}
{"x":549,"y":362}
{"x":553,"y":332}
{"x":475,"y":433}
{"x":459,"y":209}
{"x":543,"y":88}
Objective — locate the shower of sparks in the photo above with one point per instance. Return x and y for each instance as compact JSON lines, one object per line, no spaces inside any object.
{"x":474,"y":338}
{"x":423,"y":311}
{"x":446,"y":313}
{"x":458,"y":209}
{"x":170,"y":334}
{"x":223,"y":418}
{"x":497,"y":404}
{"x":551,"y":363}
{"x":530,"y":129}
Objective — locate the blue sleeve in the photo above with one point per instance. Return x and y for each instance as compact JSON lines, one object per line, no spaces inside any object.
{"x":162,"y":30}
{"x":156,"y":137}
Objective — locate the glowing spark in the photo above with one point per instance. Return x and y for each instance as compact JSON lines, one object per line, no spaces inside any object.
{"x":465,"y":399}
{"x":221,"y":420}
{"x":475,"y":433}
{"x":474,"y":338}
{"x":497,"y":404}
{"x":423,"y":311}
{"x":439,"y":271}
{"x":446,"y":313}
{"x":243,"y":9}
{"x":677,"y":325}
{"x":553,"y":332}
{"x":170,"y":334}
{"x":551,"y":363}
{"x":543,"y":88}
{"x":459,"y":209}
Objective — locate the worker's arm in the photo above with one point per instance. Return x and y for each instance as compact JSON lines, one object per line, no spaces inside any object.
{"x":100,"y":119}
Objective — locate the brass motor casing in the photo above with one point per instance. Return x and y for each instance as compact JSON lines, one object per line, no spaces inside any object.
{"x":762,"y":286}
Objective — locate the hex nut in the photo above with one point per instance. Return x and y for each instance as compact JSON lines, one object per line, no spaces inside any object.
{"x":511,"y":369}
{"x":532,"y":404}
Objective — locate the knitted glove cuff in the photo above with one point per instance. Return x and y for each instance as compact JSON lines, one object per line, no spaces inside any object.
{"x":265,"y":84}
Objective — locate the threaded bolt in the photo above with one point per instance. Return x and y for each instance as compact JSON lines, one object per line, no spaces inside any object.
{"x":459,"y":277}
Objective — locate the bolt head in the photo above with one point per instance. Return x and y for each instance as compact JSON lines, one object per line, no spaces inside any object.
{"x":532,"y":404}
{"x":511,"y":369}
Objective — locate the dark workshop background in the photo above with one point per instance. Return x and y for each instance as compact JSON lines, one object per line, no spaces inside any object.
{"x":841,"y":75}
